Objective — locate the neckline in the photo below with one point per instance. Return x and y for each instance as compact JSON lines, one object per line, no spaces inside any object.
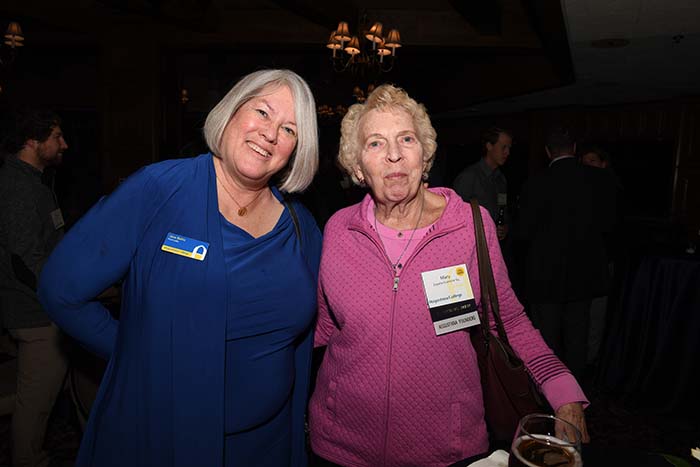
{"x":397,"y":265}
{"x":399,"y":235}
{"x":281,"y":221}
{"x":24,"y":166}
{"x":391,"y":233}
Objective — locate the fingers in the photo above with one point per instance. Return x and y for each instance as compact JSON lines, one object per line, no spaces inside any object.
{"x":572,"y":413}
{"x":566,"y":432}
{"x":584,"y":432}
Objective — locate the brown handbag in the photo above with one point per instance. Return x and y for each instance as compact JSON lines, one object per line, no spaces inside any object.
{"x":508,"y":390}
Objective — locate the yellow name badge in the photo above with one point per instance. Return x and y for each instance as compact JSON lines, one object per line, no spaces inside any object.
{"x":450,"y":298}
{"x":184,"y":246}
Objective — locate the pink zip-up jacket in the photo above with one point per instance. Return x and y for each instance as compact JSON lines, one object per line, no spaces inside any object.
{"x":389,"y":391}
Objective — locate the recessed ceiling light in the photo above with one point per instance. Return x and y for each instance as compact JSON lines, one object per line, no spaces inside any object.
{"x":610,"y":43}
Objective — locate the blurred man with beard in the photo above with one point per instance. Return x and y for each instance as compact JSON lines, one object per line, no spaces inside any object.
{"x":31,"y":225}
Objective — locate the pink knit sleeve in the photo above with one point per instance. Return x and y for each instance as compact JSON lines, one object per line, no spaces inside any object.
{"x":563,"y":389}
{"x":324,"y":322}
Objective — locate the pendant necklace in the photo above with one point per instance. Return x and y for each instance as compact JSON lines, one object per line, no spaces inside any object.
{"x":242,"y":210}
{"x":397,"y":265}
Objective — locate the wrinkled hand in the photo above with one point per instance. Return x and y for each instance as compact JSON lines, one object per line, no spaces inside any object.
{"x":572,"y":413}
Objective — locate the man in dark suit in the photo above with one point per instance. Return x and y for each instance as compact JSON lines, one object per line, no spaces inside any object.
{"x":565,"y":213}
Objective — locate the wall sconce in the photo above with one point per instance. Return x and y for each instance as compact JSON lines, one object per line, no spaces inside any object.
{"x":14,"y":39}
{"x":184,"y":96}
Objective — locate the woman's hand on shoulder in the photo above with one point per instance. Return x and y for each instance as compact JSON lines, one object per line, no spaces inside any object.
{"x":573,"y":413}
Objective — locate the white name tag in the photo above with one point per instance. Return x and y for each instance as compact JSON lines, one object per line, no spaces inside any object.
{"x":450,"y":298}
{"x":57,"y":219}
{"x":502,"y":199}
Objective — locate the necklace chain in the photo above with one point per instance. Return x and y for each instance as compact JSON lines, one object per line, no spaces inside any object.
{"x":242,"y":210}
{"x":397,"y":265}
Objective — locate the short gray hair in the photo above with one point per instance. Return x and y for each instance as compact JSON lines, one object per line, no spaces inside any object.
{"x":303,"y":163}
{"x":385,"y":98}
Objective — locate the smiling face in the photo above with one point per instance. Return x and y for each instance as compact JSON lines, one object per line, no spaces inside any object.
{"x":260,"y":137}
{"x":391,"y":157}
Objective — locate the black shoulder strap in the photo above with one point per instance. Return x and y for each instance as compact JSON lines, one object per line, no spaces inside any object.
{"x":297,"y":227}
{"x":489,"y":295}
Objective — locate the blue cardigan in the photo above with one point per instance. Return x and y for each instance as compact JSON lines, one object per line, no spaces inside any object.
{"x":162,"y":398}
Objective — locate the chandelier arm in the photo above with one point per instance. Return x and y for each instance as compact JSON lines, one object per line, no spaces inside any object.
{"x":384,"y":68}
{"x":340,"y":65}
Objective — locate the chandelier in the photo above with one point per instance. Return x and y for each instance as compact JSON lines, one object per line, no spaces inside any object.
{"x":364,"y":58}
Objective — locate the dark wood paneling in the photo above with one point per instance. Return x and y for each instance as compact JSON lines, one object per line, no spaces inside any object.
{"x":689,"y":144}
{"x":657,"y":146}
{"x":129,"y":98}
{"x":687,"y":201}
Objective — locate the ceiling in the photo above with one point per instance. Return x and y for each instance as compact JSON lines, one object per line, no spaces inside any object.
{"x":661,"y":59}
{"x":459,"y":57}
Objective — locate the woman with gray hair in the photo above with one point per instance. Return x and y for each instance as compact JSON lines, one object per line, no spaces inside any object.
{"x":209,"y":361}
{"x":399,"y":384}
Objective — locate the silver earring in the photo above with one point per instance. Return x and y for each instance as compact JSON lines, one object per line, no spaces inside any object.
{"x":425,"y":176}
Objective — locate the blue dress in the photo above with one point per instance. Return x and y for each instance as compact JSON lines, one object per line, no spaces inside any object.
{"x":164,"y":397}
{"x":262,"y":330}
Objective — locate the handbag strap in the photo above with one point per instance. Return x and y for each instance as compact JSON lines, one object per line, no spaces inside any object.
{"x":297,"y":227}
{"x":295,"y":221}
{"x":489,"y":296}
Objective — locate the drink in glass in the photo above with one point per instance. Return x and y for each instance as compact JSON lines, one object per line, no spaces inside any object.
{"x":545,"y":441}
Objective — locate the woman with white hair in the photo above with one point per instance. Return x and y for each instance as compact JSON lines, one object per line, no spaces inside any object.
{"x":397,"y":387}
{"x":209,"y":361}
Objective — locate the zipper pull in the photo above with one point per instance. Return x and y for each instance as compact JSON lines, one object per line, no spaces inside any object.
{"x":396,"y":283}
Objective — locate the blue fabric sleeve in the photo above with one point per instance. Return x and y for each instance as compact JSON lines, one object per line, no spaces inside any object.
{"x":312,"y":253}
{"x":95,"y":254}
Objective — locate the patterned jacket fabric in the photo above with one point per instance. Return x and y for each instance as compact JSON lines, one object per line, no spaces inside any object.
{"x":389,"y":391}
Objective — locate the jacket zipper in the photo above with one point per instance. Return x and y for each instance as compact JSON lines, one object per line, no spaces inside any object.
{"x":387,"y":405}
{"x":395,"y":290}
